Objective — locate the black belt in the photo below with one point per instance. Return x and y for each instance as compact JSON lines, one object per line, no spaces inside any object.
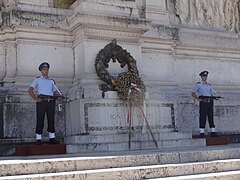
{"x":46,"y":97}
{"x":207,"y":100}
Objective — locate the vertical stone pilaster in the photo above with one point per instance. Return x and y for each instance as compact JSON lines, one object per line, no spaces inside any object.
{"x":3,"y":62}
{"x":2,"y":100}
{"x":157,"y":11}
{"x":11,"y":62}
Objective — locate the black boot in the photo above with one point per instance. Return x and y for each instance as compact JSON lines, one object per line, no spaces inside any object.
{"x":213,"y":134}
{"x":39,"y":142}
{"x":202,"y":135}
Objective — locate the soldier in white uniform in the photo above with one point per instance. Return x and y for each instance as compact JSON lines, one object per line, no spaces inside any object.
{"x":45,"y":102}
{"x":206,"y":105}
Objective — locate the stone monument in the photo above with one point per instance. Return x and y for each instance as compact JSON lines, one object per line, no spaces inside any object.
{"x":171,"y":42}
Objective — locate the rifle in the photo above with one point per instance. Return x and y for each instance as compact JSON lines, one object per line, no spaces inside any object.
{"x":210,"y":97}
{"x":58,"y":96}
{"x":3,"y":82}
{"x":48,"y":98}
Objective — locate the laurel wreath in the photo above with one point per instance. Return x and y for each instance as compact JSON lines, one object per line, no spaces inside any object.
{"x":122,"y":82}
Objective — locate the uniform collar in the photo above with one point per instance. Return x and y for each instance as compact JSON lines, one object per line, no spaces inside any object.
{"x":204,"y":82}
{"x":44,"y":77}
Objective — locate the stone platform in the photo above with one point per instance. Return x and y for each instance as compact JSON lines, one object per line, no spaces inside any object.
{"x":43,"y":149}
{"x":102,"y":125}
{"x":139,"y":141}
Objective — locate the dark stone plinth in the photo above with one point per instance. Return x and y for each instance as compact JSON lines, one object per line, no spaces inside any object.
{"x":43,"y":149}
{"x":219,"y":140}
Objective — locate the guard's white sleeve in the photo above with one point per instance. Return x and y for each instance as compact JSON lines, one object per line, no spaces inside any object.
{"x":34,"y":84}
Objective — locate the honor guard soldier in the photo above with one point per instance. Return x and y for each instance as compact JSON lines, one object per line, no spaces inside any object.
{"x":204,"y":89}
{"x":45,"y":102}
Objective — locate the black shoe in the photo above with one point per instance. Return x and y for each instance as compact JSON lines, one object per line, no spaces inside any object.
{"x":213,"y":134}
{"x":39,"y":142}
{"x":53,"y":141}
{"x":202,"y":135}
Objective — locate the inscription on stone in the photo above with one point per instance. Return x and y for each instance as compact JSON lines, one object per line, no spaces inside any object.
{"x":114,"y":116}
{"x":124,"y":116}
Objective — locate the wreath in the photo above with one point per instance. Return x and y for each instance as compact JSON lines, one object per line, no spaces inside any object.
{"x":128,"y":84}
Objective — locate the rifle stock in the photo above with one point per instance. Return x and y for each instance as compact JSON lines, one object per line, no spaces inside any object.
{"x":59,"y":97}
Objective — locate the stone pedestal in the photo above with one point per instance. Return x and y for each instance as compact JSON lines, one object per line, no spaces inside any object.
{"x":102,"y":125}
{"x":109,"y":116}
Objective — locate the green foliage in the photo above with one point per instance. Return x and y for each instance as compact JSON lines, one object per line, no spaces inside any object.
{"x":64,"y":4}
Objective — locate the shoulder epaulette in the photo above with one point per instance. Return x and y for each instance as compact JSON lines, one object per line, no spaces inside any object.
{"x":52,"y":80}
{"x":209,"y":84}
{"x":198,"y":82}
{"x":38,"y":76}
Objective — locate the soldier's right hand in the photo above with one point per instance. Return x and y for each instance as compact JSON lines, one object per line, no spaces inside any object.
{"x":39,"y":100}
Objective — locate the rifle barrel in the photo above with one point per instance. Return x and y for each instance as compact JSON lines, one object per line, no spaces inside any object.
{"x":210,"y":97}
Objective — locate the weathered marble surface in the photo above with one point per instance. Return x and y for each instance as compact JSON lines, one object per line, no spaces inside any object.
{"x":136,"y":165}
{"x":23,"y":124}
{"x":217,"y":14}
{"x":52,"y":3}
{"x":110,"y":116}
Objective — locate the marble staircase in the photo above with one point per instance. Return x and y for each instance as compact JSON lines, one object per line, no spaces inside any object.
{"x":212,"y":162}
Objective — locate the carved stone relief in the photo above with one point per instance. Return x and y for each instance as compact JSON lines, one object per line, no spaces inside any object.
{"x":218,"y":14}
{"x":10,"y":3}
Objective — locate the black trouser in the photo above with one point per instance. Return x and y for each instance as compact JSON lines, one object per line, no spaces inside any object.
{"x":45,"y":107}
{"x":206,"y":109}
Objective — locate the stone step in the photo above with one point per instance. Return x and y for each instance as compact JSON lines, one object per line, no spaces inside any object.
{"x":135,"y":145}
{"x":222,"y":158}
{"x":140,"y":172}
{"x":135,"y":136}
{"x":229,"y":175}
